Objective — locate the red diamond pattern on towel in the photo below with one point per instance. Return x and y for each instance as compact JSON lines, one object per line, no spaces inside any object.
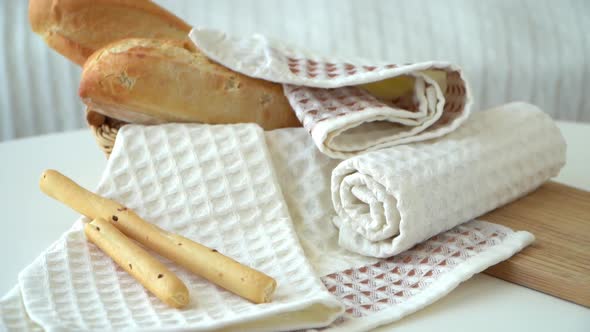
{"x":454,"y":100}
{"x":369,"y":289}
{"x":313,"y":105}
{"x":316,"y":68}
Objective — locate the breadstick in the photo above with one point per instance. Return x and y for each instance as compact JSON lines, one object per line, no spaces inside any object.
{"x":150,"y":272}
{"x":201,"y":260}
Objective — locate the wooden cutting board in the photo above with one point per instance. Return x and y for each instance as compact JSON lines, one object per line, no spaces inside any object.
{"x":558,"y":262}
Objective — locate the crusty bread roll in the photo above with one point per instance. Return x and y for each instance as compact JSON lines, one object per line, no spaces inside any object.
{"x":152,"y":81}
{"x":77,"y":28}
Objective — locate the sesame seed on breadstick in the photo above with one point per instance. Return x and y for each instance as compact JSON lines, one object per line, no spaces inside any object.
{"x":199,"y":259}
{"x":149,"y":271}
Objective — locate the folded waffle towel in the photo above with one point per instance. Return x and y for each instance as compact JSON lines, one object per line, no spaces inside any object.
{"x":350,"y":106}
{"x":389,"y":200}
{"x":213,"y":184}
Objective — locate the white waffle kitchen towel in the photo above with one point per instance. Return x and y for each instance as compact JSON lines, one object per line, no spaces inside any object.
{"x":330,"y":95}
{"x":213,"y":184}
{"x":377,"y":291}
{"x":13,"y":316}
{"x":372,"y":291}
{"x":389,"y":200}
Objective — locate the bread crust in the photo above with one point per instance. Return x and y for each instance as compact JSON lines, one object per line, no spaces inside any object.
{"x":152,"y":81}
{"x":77,"y":28}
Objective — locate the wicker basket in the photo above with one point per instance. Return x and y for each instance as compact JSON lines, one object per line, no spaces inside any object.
{"x":104,"y":129}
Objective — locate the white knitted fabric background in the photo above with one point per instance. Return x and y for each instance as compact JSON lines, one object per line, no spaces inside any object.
{"x":527,"y":50}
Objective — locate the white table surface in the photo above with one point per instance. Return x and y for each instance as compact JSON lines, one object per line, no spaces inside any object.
{"x":31,"y":222}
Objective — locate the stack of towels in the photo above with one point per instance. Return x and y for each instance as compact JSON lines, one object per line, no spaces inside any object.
{"x":353,"y":243}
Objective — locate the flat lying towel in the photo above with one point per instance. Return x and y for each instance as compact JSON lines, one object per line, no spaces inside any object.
{"x":13,"y":316}
{"x":213,"y":184}
{"x":389,"y":200}
{"x":331,"y":95}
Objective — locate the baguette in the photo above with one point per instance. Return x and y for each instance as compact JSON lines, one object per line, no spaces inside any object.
{"x":77,"y":28}
{"x":151,"y":81}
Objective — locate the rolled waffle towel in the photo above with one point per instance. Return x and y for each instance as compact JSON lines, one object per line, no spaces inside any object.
{"x":350,"y":106}
{"x":377,"y":291}
{"x":389,"y":200}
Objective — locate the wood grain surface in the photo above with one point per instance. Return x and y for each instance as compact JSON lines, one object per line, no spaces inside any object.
{"x":558,"y":262}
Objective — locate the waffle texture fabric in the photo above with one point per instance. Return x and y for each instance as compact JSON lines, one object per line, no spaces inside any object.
{"x":212,"y":184}
{"x":377,"y":291}
{"x":389,"y":200}
{"x":197,"y":180}
{"x":345,"y":120}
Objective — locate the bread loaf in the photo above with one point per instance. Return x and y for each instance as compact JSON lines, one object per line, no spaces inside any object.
{"x":77,"y":28}
{"x":152,"y":81}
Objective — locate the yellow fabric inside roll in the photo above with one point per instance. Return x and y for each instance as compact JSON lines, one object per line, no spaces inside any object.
{"x":395,"y":87}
